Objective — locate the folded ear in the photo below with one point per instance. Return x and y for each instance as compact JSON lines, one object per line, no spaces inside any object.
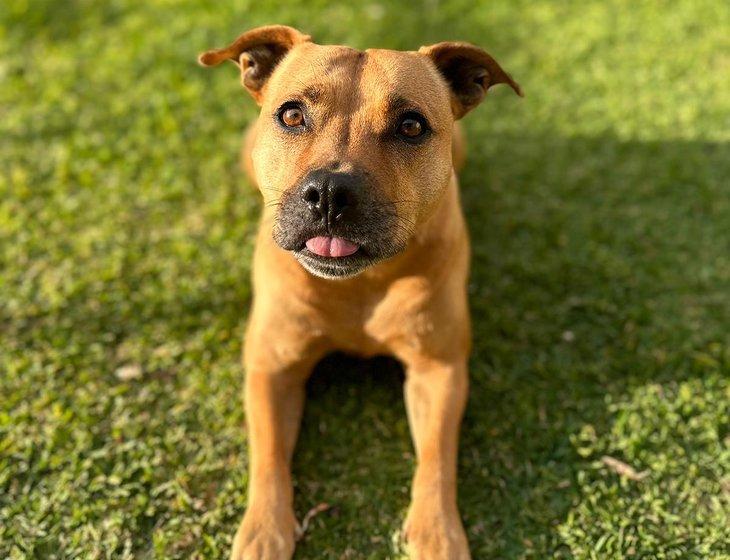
{"x":469,"y":71}
{"x":256,"y":53}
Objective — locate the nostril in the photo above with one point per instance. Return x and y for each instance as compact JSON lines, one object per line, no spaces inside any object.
{"x":311,"y":196}
{"x":340,"y":200}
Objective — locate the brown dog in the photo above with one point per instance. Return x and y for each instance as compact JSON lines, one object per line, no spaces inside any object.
{"x":362,"y":248}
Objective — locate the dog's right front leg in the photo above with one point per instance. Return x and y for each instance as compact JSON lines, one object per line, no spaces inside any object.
{"x":274,"y":400}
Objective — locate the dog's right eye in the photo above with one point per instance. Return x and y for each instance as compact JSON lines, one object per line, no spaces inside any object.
{"x":292,"y":116}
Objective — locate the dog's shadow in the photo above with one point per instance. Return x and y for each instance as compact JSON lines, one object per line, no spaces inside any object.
{"x":567,"y":310}
{"x":354,"y":454}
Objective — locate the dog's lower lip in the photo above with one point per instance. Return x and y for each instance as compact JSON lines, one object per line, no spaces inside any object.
{"x":331,"y":247}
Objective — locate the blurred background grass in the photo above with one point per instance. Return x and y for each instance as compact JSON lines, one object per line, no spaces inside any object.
{"x":599,"y":208}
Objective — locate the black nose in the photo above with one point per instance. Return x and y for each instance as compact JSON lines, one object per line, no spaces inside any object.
{"x":331,"y":196}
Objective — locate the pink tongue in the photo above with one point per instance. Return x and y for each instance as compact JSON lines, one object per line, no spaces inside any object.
{"x":331,"y":246}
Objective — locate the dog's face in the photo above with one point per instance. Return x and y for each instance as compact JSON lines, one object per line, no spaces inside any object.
{"x":353,"y":149}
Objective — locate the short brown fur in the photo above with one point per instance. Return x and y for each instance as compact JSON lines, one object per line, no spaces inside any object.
{"x":412,"y":306}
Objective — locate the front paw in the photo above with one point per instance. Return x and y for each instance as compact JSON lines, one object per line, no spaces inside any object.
{"x":435,"y":533}
{"x":266,"y":533}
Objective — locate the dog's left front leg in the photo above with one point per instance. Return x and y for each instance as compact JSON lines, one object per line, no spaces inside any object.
{"x":435,"y":393}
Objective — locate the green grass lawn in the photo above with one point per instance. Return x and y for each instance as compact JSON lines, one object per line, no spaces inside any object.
{"x":599,"y":207}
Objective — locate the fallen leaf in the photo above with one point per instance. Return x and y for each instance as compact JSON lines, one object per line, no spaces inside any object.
{"x":129,"y":372}
{"x":623,"y":469}
{"x":311,"y":514}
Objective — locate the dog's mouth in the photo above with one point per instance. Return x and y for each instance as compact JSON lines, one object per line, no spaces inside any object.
{"x":342,"y":245}
{"x":333,"y":257}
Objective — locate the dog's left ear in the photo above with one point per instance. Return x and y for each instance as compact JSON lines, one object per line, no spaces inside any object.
{"x":256,"y":53}
{"x":469,"y":71}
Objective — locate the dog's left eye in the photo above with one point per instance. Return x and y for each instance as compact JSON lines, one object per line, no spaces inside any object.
{"x":291,"y":116}
{"x":412,"y":127}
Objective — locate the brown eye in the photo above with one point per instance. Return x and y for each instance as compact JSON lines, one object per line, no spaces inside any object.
{"x":412,"y":127}
{"x":292,"y":117}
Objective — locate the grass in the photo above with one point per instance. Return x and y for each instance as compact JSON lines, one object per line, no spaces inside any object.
{"x":600,"y":212}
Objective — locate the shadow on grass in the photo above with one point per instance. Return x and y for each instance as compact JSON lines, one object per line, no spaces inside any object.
{"x":598,"y":267}
{"x":595,"y":271}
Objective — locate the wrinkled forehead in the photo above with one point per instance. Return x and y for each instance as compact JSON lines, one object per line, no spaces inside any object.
{"x":376,"y":81}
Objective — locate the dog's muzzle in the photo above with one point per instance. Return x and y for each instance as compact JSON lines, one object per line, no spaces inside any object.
{"x":336,"y":225}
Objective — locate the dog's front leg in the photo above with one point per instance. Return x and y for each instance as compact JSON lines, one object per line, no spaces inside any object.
{"x":435,"y":393}
{"x":274,"y":398}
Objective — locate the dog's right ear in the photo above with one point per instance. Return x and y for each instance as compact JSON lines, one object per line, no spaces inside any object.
{"x":256,"y":53}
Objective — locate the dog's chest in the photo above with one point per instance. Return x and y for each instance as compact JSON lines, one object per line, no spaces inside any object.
{"x":380,"y":323}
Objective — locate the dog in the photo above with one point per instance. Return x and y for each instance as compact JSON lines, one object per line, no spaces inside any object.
{"x":362,"y":248}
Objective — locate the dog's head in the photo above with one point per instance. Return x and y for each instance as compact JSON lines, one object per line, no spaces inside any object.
{"x":353,"y":148}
